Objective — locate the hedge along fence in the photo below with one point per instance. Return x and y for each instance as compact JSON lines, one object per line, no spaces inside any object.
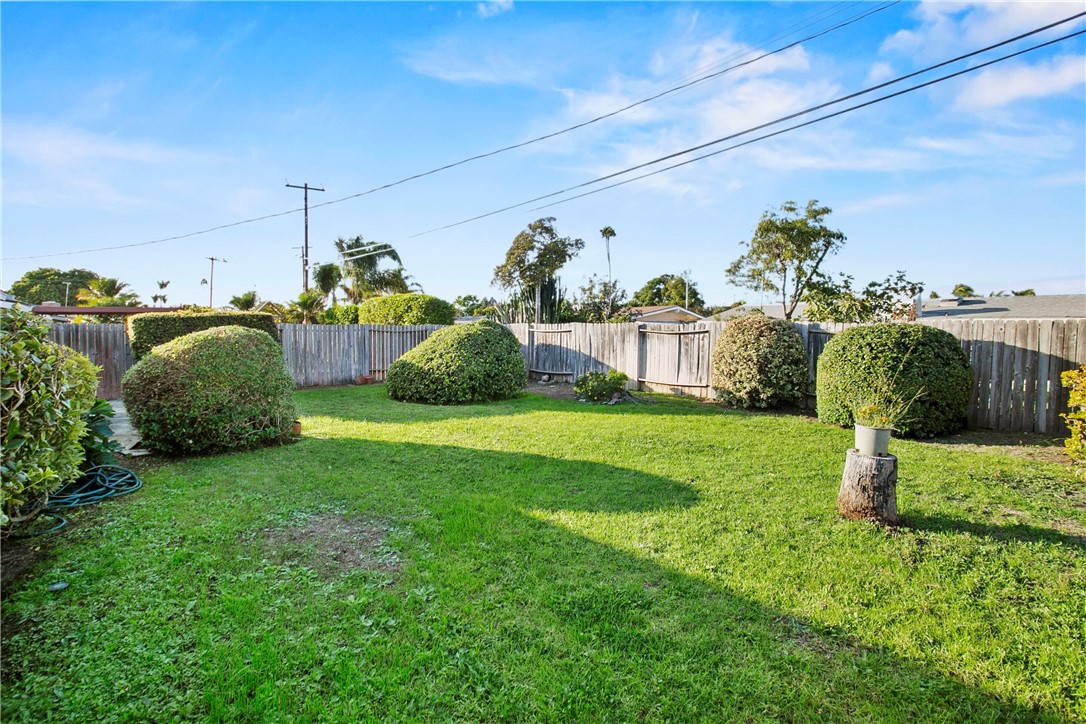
{"x":154,"y":328}
{"x":1016,"y":363}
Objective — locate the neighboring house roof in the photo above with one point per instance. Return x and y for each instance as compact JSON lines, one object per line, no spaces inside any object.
{"x":770,"y":310}
{"x":8,"y":301}
{"x":647,"y":313}
{"x":1047,"y":306}
{"x":271,"y":308}
{"x":56,"y":309}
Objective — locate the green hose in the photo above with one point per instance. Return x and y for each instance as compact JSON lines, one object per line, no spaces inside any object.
{"x":94,"y":486}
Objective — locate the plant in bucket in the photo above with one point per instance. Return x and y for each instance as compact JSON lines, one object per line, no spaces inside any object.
{"x":874,"y":421}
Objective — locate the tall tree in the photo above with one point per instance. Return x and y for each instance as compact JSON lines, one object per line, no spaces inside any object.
{"x":107,"y":292}
{"x":669,"y":290}
{"x":534,"y":257}
{"x":364,"y":271}
{"x":608,"y":233}
{"x":327,"y":277}
{"x":161,"y":296}
{"x":786,"y":251}
{"x":245,"y":302}
{"x":47,"y":284}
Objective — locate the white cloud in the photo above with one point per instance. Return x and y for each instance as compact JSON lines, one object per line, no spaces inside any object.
{"x":1001,"y":85}
{"x":459,"y":60}
{"x":495,"y":7}
{"x":947,"y":26}
{"x":878,"y":73}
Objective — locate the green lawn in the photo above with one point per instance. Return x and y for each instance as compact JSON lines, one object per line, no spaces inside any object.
{"x":545,"y":559}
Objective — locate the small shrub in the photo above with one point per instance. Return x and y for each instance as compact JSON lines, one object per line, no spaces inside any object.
{"x":97,"y":441}
{"x":461,"y":364}
{"x":406,"y":309}
{"x":759,"y":361}
{"x":1076,"y":418}
{"x":218,"y":389}
{"x":892,"y":362}
{"x":600,"y":387}
{"x":154,"y":328}
{"x":340,"y":314}
{"x":47,"y":388}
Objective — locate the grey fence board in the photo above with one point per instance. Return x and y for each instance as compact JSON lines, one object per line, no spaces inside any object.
{"x":106,"y":345}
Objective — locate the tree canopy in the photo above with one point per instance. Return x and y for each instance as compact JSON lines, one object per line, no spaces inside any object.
{"x":364,"y":272}
{"x":667,"y":290}
{"x":107,"y":292}
{"x":534,"y":257}
{"x":786,"y":251}
{"x":885,"y":301}
{"x":47,"y":284}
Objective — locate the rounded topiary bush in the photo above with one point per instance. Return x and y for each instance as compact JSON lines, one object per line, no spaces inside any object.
{"x":406,"y":309}
{"x":759,"y":361}
{"x":222,"y":388}
{"x":464,"y":363}
{"x":47,"y":389}
{"x":889,"y":364}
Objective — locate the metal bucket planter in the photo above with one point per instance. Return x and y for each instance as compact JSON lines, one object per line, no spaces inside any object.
{"x":872,"y":441}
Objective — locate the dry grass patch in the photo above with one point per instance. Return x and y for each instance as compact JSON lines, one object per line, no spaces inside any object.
{"x":332,"y":545}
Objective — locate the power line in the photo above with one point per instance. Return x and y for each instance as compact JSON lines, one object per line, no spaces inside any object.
{"x":504,"y":149}
{"x":812,"y":122}
{"x":788,"y":117}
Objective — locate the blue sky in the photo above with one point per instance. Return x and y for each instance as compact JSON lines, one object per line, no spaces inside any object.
{"x":129,"y":122}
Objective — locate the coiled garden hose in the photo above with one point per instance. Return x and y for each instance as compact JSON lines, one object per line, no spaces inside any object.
{"x":94,"y":486}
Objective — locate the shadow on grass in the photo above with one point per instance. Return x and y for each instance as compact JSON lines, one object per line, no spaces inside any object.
{"x":533,"y":621}
{"x":1016,"y":531}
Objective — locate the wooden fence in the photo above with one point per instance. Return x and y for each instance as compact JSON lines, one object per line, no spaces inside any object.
{"x":1016,"y":363}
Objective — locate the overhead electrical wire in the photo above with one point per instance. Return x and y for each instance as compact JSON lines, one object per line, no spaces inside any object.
{"x":522,"y":144}
{"x":788,"y":117}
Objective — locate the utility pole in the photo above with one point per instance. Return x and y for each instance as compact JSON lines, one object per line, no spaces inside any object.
{"x":305,"y":249}
{"x":211,"y":286}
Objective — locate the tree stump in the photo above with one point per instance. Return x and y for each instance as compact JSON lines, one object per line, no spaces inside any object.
{"x":869,"y":488}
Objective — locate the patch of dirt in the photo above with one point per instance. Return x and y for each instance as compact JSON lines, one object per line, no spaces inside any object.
{"x":331,"y":545}
{"x":554,"y":390}
{"x":1030,"y":445}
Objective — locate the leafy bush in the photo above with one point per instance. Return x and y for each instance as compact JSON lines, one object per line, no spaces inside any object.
{"x":460,"y":364}
{"x":888,"y":362}
{"x":97,"y":442}
{"x":340,"y":314}
{"x":406,"y":309}
{"x":154,"y":328}
{"x":759,"y":361}
{"x":600,"y":387}
{"x":46,"y":390}
{"x":1076,"y":418}
{"x":221,"y":388}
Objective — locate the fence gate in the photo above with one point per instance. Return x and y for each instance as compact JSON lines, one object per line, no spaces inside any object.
{"x":549,"y":351}
{"x":675,"y":359}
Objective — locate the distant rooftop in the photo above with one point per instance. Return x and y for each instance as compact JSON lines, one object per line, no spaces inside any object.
{"x":1048,"y":306}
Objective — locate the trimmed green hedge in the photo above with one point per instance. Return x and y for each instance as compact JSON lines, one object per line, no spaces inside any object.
{"x":47,"y":390}
{"x":406,"y":309}
{"x":149,"y":330}
{"x":461,"y":364}
{"x":340,"y":314}
{"x":217,"y":389}
{"x":889,"y":363}
{"x":759,"y":361}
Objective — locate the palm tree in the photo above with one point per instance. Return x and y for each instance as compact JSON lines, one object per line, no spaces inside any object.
{"x":245,"y":302}
{"x":362,"y":263}
{"x":107,"y":292}
{"x":608,"y":233}
{"x":161,"y":288}
{"x":963,"y":290}
{"x":306,"y":307}
{"x":327,"y":277}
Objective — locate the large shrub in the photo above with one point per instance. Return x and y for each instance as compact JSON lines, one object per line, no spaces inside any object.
{"x":759,"y":361}
{"x":891,"y":363}
{"x":222,"y":388}
{"x":460,"y":364}
{"x":46,"y":391}
{"x":1075,"y":444}
{"x":154,"y":328}
{"x":406,"y":309}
